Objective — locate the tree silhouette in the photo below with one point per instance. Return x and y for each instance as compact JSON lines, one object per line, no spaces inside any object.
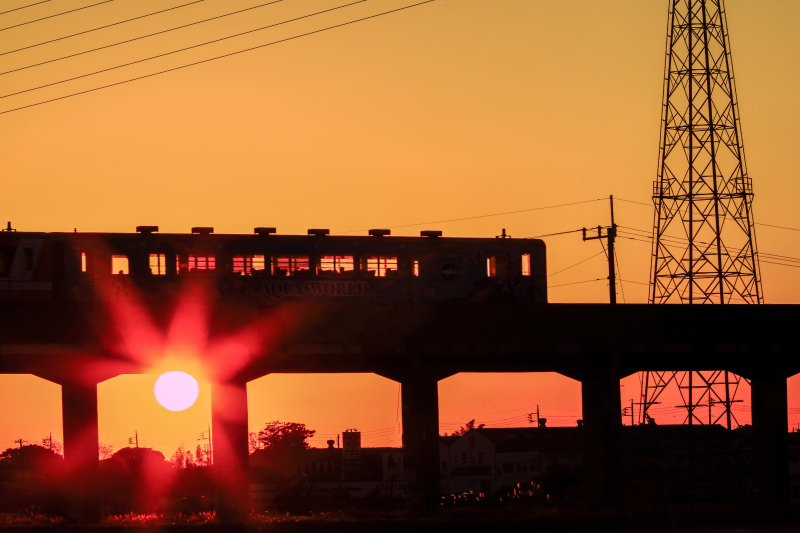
{"x":284,"y":436}
{"x":30,"y":475}
{"x":466,"y":427}
{"x":105,"y":451}
{"x":136,"y":479}
{"x":280,"y":444}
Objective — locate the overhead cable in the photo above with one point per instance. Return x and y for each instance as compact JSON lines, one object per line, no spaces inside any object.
{"x":23,"y":7}
{"x":101,"y":71}
{"x":56,"y":15}
{"x":100,"y":27}
{"x":215,"y":58}
{"x":145,"y":37}
{"x":487,"y":216}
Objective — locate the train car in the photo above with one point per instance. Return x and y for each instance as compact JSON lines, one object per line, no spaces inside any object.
{"x":268,"y":268}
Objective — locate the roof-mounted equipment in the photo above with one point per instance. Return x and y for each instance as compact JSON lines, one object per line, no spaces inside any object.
{"x":264,"y":231}
{"x":202,"y":230}
{"x":430,"y":233}
{"x":319,"y":232}
{"x":379,"y":232}
{"x":146,"y":230}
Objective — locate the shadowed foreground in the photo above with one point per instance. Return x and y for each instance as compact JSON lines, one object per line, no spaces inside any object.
{"x":697,"y":519}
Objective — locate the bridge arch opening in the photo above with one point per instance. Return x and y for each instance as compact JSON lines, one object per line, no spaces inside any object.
{"x":506,"y":399}
{"x":31,"y":412}
{"x":670,"y":407}
{"x":329,"y":404}
{"x":129,"y":414}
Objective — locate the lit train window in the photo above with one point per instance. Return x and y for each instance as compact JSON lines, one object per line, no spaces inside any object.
{"x":201,"y":262}
{"x":379,"y":266}
{"x":83,"y":261}
{"x":497,"y":265}
{"x":158,"y":264}
{"x":119,"y":264}
{"x":330,"y":265}
{"x":526,"y":264}
{"x":415,"y":268}
{"x":249,"y":265}
{"x":290,"y":265}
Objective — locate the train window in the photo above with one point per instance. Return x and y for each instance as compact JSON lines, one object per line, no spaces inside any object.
{"x":290,"y":265}
{"x":119,"y":264}
{"x":496,"y":265}
{"x":198,"y":263}
{"x":158,"y":264}
{"x":249,"y":265}
{"x":330,"y":265}
{"x":83,"y":261}
{"x":379,"y":266}
{"x":28,"y":258}
{"x":526,"y":264}
{"x":415,"y":268}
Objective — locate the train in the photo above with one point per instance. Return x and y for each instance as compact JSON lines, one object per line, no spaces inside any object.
{"x":268,"y":268}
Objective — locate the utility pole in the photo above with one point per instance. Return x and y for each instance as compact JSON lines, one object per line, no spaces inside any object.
{"x":629,"y":411}
{"x":610,"y":236}
{"x":19,"y":441}
{"x":207,"y":447}
{"x":135,"y":438}
{"x":530,"y":416}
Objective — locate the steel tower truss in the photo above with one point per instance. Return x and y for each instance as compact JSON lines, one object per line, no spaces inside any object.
{"x":704,"y":244}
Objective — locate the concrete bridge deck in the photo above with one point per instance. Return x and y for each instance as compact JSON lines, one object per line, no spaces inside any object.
{"x":79,"y":344}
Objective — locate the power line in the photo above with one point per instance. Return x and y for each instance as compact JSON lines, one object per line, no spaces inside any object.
{"x":575,"y":283}
{"x":23,"y":7}
{"x":99,"y":27}
{"x":632,"y":201}
{"x":220,"y":57}
{"x":487,"y":216}
{"x":56,"y":15}
{"x":576,"y":264}
{"x":619,"y":275}
{"x":764,"y":257}
{"x":779,"y":227}
{"x":145,"y":37}
{"x":554,"y":234}
{"x":174,"y":51}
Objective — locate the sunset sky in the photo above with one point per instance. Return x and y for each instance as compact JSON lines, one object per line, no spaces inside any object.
{"x":467,"y":116}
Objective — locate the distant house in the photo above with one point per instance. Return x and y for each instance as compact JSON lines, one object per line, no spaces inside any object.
{"x":487,"y":460}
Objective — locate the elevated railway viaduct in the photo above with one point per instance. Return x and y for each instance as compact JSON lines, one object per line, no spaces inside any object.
{"x":75,"y":344}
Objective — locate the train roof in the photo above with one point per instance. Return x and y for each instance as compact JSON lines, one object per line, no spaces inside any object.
{"x":270,"y":234}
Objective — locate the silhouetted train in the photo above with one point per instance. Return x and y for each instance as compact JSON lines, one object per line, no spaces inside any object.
{"x":270,"y":268}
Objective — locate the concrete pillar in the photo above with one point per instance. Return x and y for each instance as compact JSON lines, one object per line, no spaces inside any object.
{"x":230,"y":450}
{"x":420,"y":398}
{"x":601,"y":435}
{"x":81,"y":449}
{"x":770,"y":438}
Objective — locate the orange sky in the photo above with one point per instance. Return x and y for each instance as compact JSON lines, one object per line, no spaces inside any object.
{"x":449,"y":110}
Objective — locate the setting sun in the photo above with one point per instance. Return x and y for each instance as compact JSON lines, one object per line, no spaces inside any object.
{"x":176,"y":390}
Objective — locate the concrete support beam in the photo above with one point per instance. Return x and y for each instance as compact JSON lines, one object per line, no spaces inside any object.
{"x":230,"y":451}
{"x":81,"y":449}
{"x":420,"y":399}
{"x":770,"y":438}
{"x":602,"y":427}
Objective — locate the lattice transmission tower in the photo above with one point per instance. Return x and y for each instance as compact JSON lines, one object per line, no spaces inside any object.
{"x":704,"y":244}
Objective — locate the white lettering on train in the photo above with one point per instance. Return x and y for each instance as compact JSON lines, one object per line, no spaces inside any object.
{"x":288,"y":288}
